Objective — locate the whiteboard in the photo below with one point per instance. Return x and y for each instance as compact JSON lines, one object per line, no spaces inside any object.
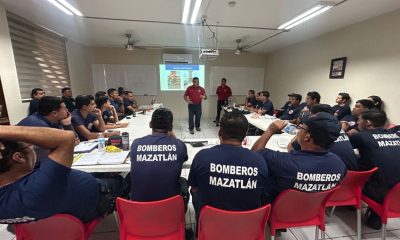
{"x":140,"y":79}
{"x":239,"y":79}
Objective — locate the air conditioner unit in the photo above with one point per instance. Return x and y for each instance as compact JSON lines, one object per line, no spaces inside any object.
{"x":177,"y":58}
{"x":208,"y":54}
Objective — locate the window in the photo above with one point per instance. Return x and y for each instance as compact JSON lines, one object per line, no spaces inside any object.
{"x":40,"y":57}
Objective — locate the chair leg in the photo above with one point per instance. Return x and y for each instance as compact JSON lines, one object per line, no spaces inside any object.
{"x":383,"y":231}
{"x":358,"y":224}
{"x":323,"y":235}
{"x":332,"y":210}
{"x":316,"y":233}
{"x":116,"y":218}
{"x":272,"y":237}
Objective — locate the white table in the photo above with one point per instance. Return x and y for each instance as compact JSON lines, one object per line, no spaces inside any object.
{"x":261,"y":122}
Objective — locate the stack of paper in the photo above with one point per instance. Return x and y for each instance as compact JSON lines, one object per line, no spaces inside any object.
{"x":84,"y":147}
{"x":94,"y":158}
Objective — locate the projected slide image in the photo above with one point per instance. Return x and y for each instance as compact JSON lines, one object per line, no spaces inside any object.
{"x":179,"y":77}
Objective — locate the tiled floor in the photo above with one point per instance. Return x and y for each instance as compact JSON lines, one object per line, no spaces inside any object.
{"x":340,"y":226}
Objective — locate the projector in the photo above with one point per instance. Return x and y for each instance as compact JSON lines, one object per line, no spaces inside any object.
{"x":208,"y":54}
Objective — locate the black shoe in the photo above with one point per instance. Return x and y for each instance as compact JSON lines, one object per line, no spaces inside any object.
{"x":198,"y":129}
{"x":191,"y":131}
{"x":373,"y":220}
{"x":217,"y":124}
{"x":214,"y":121}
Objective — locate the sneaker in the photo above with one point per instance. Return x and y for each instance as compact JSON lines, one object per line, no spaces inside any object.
{"x":198,"y":129}
{"x":373,"y":220}
{"x":191,"y":131}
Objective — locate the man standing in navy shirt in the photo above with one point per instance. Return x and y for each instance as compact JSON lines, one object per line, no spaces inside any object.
{"x":313,"y":168}
{"x":380,"y":148}
{"x":156,"y":161}
{"x":28,"y":194}
{"x":194,"y":95}
{"x":223,"y":93}
{"x":228,"y":176}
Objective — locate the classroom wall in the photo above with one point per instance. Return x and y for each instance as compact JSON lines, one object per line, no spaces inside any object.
{"x":79,"y":68}
{"x":8,"y":73}
{"x":173,"y":99}
{"x":372,"y":49}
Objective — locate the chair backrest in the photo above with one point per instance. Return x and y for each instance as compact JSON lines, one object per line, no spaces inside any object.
{"x":59,"y":226}
{"x":293,"y":208}
{"x":350,"y":189}
{"x":164,"y":219}
{"x":215,"y":223}
{"x":391,"y":204}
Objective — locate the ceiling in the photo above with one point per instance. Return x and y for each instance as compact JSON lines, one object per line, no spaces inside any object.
{"x":156,"y":23}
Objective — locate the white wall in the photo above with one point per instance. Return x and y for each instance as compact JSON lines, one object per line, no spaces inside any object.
{"x":8,"y":73}
{"x":372,"y":49}
{"x":79,"y":68}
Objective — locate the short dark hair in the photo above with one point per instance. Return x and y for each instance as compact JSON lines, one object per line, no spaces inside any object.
{"x":345,"y":96}
{"x":195,"y":78}
{"x":366,"y":103}
{"x":100,"y":93}
{"x":34,"y":91}
{"x":10,"y":147}
{"x":65,"y":89}
{"x":47,"y":104}
{"x":233,"y":126}
{"x":110,"y":91}
{"x":377,"y":101}
{"x":162,"y":119}
{"x":265,"y":93}
{"x":321,"y":108}
{"x":296,"y":95}
{"x":100,"y":101}
{"x":223,"y":79}
{"x":314,"y":95}
{"x":120,"y":90}
{"x":377,"y":117}
{"x":82,"y":100}
{"x":127,"y":92}
{"x":252,"y":91}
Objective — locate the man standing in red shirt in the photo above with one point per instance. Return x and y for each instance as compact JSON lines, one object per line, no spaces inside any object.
{"x":223,"y":93}
{"x":193,"y":96}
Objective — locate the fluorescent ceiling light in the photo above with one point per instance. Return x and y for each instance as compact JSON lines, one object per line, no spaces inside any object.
{"x":185,"y":13}
{"x":61,"y":7}
{"x":70,"y":7}
{"x":322,"y":10}
{"x":195,"y":11}
{"x":314,"y":11}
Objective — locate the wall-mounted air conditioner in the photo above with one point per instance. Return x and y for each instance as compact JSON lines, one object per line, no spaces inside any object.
{"x":177,"y":58}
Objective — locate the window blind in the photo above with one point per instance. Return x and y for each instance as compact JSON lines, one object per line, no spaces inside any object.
{"x":40,"y":57}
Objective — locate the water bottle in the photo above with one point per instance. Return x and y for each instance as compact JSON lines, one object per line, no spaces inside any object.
{"x":125,"y":141}
{"x":153,"y":101}
{"x":101,"y":142}
{"x":290,"y":129}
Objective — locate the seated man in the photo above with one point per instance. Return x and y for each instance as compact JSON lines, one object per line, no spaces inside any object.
{"x":378,"y":147}
{"x":266,"y":106}
{"x":87,"y":120}
{"x":116,"y":101}
{"x":292,"y":112}
{"x":312,"y":98}
{"x":228,"y":176}
{"x":156,"y":161}
{"x":341,"y":147}
{"x":108,"y":113}
{"x":28,"y":194}
{"x":342,"y":108}
{"x":36,"y":94}
{"x":313,"y":168}
{"x":130,"y":103}
{"x":68,"y":99}
{"x":251,"y":100}
{"x":349,"y":122}
{"x":281,"y":110}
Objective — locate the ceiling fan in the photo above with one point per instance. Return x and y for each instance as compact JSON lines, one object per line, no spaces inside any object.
{"x":130,"y":45}
{"x":239,"y":49}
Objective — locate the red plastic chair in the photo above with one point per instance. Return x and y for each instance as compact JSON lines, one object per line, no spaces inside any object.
{"x":218,"y":224}
{"x":389,"y":209}
{"x":59,"y":226}
{"x":350,"y":193}
{"x":162,"y":220}
{"x":298,"y":209}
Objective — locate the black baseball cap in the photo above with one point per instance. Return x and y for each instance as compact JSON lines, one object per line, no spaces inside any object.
{"x":323,"y":127}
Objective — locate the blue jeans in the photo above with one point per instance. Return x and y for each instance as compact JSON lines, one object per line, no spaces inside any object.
{"x":194,"y":111}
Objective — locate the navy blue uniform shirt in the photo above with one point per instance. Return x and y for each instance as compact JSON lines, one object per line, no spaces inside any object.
{"x":303,"y":171}
{"x":78,"y":119}
{"x":37,"y":120}
{"x":48,"y":190}
{"x":117,"y":104}
{"x":379,"y":148}
{"x":341,"y":111}
{"x":292,"y":112}
{"x":156,"y":164}
{"x":229,"y":177}
{"x":127,"y":103}
{"x":268,"y":107}
{"x":33,"y":106}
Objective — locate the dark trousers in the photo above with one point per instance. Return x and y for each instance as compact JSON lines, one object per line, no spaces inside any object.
{"x":220,"y":104}
{"x":194,"y":111}
{"x":375,"y":191}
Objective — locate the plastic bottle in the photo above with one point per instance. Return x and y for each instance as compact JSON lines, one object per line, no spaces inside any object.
{"x":290,"y":129}
{"x":153,"y":101}
{"x":101,"y":142}
{"x":125,"y":141}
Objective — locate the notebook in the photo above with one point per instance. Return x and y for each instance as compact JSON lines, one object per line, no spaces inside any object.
{"x":95,"y":158}
{"x":85,"y":147}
